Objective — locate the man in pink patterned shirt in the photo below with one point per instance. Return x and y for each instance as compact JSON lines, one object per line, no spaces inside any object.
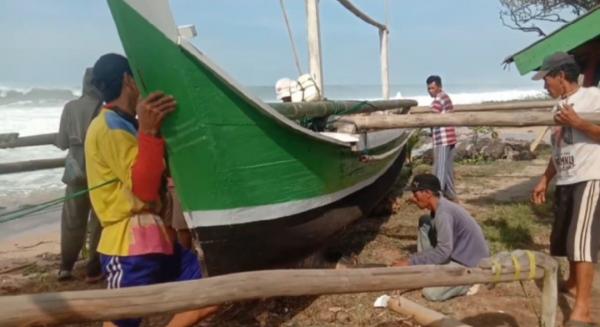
{"x":444,"y":138}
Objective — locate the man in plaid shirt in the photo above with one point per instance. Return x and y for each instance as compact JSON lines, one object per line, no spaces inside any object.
{"x":444,"y":138}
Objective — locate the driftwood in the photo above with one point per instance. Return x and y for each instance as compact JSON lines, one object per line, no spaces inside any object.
{"x":496,"y":119}
{"x":12,"y":140}
{"x":22,"y":166}
{"x":424,"y":316}
{"x":77,"y":306}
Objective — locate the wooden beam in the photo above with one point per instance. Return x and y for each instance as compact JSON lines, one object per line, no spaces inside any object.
{"x":299,"y":110}
{"x":496,"y":119}
{"x":29,"y":165}
{"x":424,"y":316}
{"x":12,"y":140}
{"x":497,"y":106}
{"x":94,"y":305}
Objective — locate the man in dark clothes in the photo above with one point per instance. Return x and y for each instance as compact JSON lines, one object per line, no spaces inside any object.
{"x":448,"y":236}
{"x":74,"y":121}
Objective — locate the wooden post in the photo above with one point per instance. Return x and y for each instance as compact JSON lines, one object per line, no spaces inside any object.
{"x":385,"y":74}
{"x":424,"y":316}
{"x":76,"y":306}
{"x":550,"y":295}
{"x":22,"y":166}
{"x":499,"y":119}
{"x":314,"y":43}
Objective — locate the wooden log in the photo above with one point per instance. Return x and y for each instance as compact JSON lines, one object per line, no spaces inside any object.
{"x":424,"y":316}
{"x":33,"y":140}
{"x":496,"y":119}
{"x":22,"y":166}
{"x":77,"y":306}
{"x":299,"y":110}
{"x":8,"y":138}
{"x":497,"y":106}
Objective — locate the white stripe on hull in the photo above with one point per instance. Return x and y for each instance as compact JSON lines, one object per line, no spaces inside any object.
{"x":209,"y":218}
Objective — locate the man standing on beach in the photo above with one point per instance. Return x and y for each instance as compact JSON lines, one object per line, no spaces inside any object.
{"x":76,"y":211}
{"x":127,"y":154}
{"x":444,"y":138}
{"x":448,"y":235}
{"x":574,"y":163}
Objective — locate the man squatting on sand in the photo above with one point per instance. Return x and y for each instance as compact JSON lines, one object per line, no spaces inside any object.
{"x":575,"y":164}
{"x":449,"y":235}
{"x":136,"y":246}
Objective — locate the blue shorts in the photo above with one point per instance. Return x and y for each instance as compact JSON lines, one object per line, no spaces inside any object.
{"x":148,"y":269}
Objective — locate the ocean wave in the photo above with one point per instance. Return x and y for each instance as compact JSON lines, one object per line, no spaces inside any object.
{"x":36,"y":96}
{"x":481,"y":97}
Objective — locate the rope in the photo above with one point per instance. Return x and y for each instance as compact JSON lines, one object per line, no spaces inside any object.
{"x":289,"y":30}
{"x":517,"y":265}
{"x":16,"y":214}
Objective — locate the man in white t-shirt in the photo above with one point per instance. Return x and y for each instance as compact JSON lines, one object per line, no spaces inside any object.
{"x":575,"y":163}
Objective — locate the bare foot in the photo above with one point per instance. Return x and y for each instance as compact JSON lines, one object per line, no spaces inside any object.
{"x":581,"y":314}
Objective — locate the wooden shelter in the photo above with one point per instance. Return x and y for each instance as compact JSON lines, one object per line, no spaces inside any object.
{"x":580,"y":38}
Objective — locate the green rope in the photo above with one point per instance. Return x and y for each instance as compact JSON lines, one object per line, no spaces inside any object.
{"x":16,"y":214}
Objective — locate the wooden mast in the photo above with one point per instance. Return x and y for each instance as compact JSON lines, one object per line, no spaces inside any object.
{"x":314,"y":44}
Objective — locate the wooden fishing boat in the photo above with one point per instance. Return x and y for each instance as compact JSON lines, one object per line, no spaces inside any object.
{"x":258,"y":189}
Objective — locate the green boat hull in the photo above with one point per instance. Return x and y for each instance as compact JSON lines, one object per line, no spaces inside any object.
{"x":236,"y":162}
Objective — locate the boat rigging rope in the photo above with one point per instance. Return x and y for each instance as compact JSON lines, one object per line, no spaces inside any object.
{"x":289,"y":30}
{"x":19,"y":213}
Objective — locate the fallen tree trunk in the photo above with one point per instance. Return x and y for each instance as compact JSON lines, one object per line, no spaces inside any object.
{"x":496,"y":119}
{"x":77,"y":306}
{"x":12,"y":140}
{"x":22,"y":166}
{"x":424,"y":316}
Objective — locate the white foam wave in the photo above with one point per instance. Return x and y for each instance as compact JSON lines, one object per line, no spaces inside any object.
{"x":480,"y":97}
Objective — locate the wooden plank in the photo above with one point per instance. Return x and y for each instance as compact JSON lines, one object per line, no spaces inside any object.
{"x":93,"y":305}
{"x":496,"y":119}
{"x":424,"y":316}
{"x":33,"y":140}
{"x":29,"y":165}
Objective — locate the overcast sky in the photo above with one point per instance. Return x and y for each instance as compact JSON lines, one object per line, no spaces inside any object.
{"x":49,"y":43}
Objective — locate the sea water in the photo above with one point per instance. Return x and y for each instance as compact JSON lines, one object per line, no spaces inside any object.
{"x":33,"y":113}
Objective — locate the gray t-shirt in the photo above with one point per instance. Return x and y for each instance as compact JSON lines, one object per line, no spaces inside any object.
{"x":459,"y":238}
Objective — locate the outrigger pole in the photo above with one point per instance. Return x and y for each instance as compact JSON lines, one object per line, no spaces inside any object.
{"x":383,"y":44}
{"x":96,"y":305}
{"x":314,"y":44}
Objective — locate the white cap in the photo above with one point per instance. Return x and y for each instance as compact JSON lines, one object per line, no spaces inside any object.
{"x":283,"y":88}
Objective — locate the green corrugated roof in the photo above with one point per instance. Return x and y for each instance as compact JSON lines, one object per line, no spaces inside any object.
{"x":564,"y":39}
